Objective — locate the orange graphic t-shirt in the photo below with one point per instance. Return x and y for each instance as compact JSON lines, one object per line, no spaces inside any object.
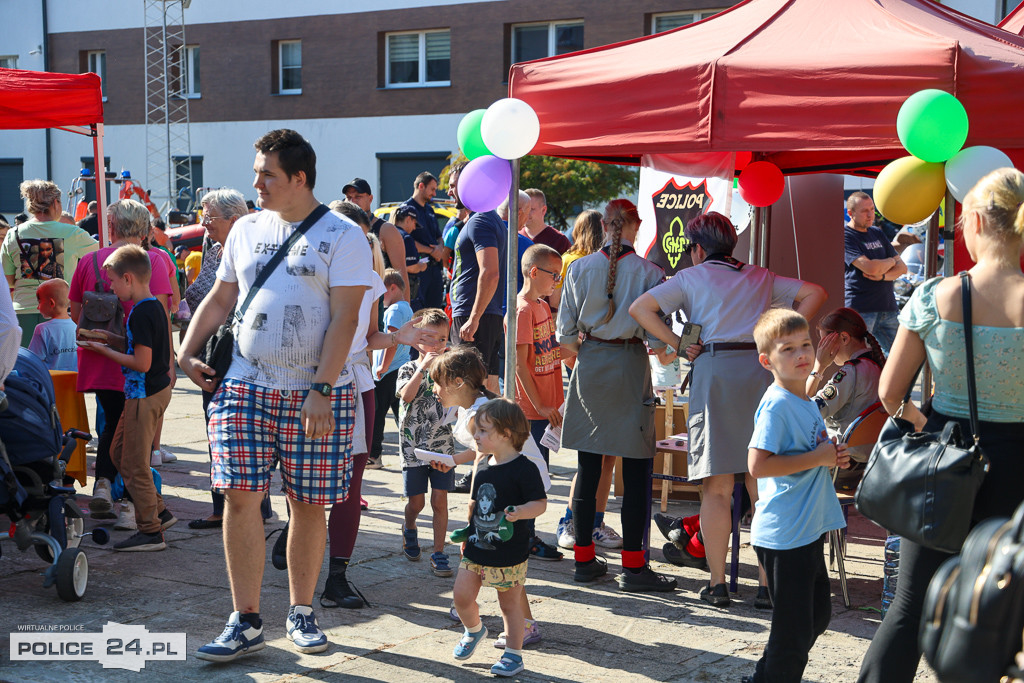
{"x":535,"y":328}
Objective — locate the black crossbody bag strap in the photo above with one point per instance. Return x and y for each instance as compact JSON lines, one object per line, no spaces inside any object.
{"x":972,"y":389}
{"x":278,"y":256}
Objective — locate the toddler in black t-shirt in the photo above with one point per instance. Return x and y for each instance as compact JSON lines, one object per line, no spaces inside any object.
{"x":511,"y":488}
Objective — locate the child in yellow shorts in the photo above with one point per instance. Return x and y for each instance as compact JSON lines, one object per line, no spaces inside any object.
{"x":511,"y":490}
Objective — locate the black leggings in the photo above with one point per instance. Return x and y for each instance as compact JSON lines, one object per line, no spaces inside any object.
{"x":636,"y":499}
{"x":112,"y":403}
{"x":894,"y":653}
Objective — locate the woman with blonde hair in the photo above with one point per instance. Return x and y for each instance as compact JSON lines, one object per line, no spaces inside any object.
{"x":931,"y":328}
{"x":40,"y":249}
{"x":609,"y":408}
{"x":587,"y":238}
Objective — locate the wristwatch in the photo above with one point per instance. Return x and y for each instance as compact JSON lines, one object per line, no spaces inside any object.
{"x":322,"y":388}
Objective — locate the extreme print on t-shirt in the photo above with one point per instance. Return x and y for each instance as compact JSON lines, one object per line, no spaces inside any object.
{"x":279,"y":341}
{"x":41,"y":258}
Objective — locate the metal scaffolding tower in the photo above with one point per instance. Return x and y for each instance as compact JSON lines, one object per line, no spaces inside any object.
{"x":168,"y":145}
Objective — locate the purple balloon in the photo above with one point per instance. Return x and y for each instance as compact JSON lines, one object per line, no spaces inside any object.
{"x":484,"y":183}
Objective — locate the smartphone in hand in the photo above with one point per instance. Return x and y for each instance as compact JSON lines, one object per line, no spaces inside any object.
{"x":689,"y":337}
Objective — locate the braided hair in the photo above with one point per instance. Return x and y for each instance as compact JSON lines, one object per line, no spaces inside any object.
{"x":617,"y":214}
{"x":849,"y":321}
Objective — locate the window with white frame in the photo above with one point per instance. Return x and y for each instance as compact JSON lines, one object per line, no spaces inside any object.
{"x":96,"y":62}
{"x":190,"y":83}
{"x":418,"y":59}
{"x":536,"y":41}
{"x":8,"y":61}
{"x":289,"y":67}
{"x":671,"y":20}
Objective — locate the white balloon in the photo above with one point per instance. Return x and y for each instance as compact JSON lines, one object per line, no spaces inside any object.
{"x":970,"y":165}
{"x":510,"y":128}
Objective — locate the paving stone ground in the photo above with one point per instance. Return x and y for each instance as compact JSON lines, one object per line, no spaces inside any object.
{"x":590,"y":632}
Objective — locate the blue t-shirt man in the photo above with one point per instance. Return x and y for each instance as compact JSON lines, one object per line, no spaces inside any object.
{"x":862,"y":294}
{"x":481,"y":231}
{"x":794,"y":510}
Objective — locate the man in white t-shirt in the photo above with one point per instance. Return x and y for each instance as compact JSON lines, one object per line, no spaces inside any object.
{"x":287,"y":396}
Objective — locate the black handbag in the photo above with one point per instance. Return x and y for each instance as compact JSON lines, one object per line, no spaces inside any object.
{"x":922,"y":485}
{"x":219,"y":348}
{"x":973,"y":613}
{"x":101,"y":310}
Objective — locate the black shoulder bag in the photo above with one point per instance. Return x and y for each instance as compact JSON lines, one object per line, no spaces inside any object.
{"x":221,"y":346}
{"x":922,"y":485}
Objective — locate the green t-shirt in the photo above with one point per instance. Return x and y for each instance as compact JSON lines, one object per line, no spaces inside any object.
{"x":37,"y":251}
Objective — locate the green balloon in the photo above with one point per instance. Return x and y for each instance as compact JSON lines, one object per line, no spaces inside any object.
{"x":932,"y":125}
{"x":470,"y":141}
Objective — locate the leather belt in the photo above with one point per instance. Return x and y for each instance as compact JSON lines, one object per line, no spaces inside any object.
{"x":715,"y":347}
{"x":617,"y":342}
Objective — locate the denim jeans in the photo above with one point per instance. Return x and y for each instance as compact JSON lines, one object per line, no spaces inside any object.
{"x":882,"y":324}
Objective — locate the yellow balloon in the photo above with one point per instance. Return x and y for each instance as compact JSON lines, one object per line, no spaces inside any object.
{"x":909,"y":190}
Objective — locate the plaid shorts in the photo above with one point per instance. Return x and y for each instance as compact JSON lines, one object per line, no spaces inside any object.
{"x":499,"y":578}
{"x":252,"y":428}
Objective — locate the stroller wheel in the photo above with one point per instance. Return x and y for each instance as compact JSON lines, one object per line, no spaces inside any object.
{"x":72,"y":574}
{"x":74,"y":527}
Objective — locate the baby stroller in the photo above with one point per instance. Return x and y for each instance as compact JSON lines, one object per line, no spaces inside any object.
{"x":33,"y":492}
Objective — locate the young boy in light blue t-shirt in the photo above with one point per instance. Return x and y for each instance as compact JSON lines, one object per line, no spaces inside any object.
{"x":790,"y":455}
{"x":54,"y":340}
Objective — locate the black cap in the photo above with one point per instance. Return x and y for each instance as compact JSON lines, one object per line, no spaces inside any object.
{"x":359,"y":185}
{"x":404,"y":211}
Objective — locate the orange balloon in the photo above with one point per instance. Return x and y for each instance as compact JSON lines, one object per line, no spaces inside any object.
{"x":909,"y":190}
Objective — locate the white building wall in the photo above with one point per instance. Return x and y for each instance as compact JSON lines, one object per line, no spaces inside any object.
{"x":345,"y":148}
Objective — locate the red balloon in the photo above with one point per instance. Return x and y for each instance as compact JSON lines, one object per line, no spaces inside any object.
{"x":743,"y":160}
{"x":761,"y":183}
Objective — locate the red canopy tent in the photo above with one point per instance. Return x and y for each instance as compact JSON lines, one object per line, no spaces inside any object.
{"x":71,"y":102}
{"x":812,"y":85}
{"x":1014,"y":21}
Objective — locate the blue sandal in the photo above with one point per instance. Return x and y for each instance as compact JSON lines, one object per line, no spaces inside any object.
{"x":467,"y":645}
{"x":508,"y":665}
{"x":410,"y":544}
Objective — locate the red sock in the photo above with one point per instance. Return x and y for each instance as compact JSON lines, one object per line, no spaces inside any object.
{"x":695,"y":547}
{"x":691,"y":525}
{"x":584,"y":553}
{"x":633,"y":559}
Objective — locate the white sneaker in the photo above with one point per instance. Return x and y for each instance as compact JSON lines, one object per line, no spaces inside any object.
{"x":567,"y":534}
{"x":167,"y":456}
{"x":155,"y":460}
{"x":102,"y":505}
{"x":126,"y":518}
{"x":304,"y":630}
{"x":238,"y":638}
{"x":607,"y":537}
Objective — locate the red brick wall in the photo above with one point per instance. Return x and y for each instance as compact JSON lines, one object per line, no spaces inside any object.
{"x":343,"y":58}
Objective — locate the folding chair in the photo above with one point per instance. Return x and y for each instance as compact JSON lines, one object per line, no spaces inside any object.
{"x":859,"y":437}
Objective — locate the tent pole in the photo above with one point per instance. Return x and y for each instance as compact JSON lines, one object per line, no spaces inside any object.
{"x":101,"y":183}
{"x":755,"y":233}
{"x":948,"y":235}
{"x":931,"y":262}
{"x":511,"y":264}
{"x":763,"y":243}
